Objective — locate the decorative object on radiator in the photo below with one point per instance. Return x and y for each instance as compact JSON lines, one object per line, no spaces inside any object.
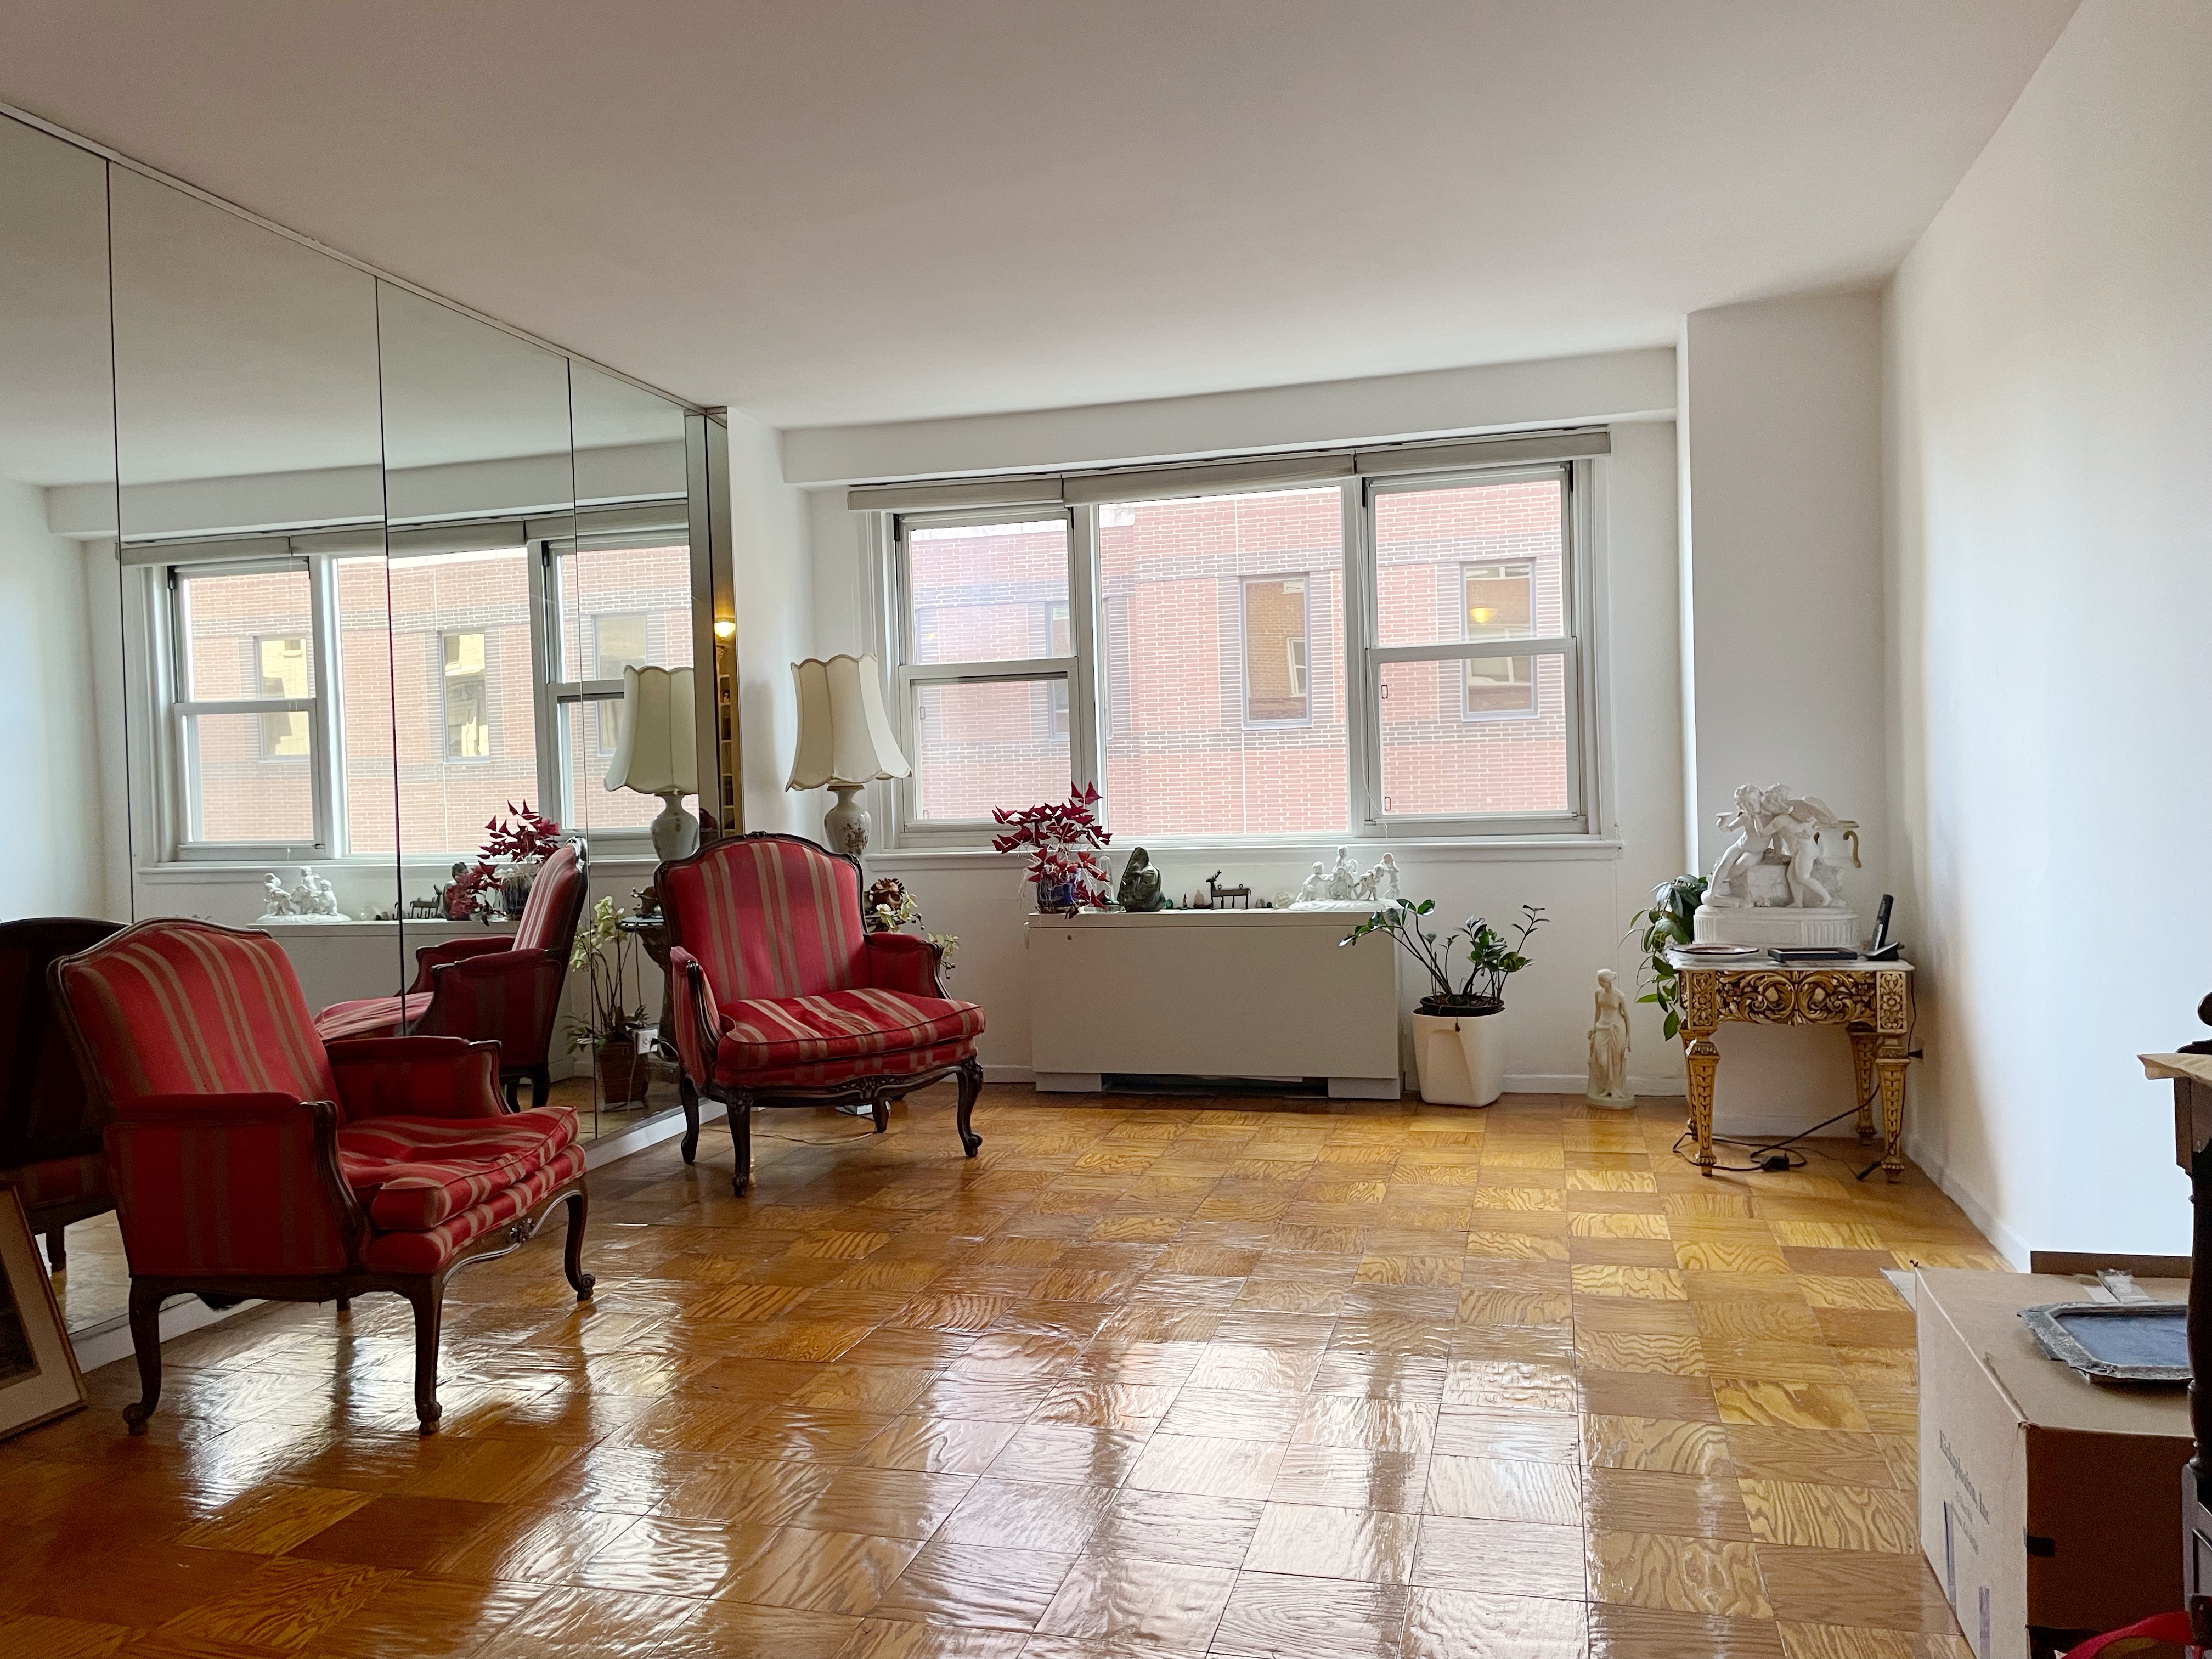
{"x":888,"y":908}
{"x":845,"y":742}
{"x":1342,"y":887}
{"x":657,"y":751}
{"x":516,"y":843}
{"x":1140,"y":888}
{"x":310,"y":899}
{"x":1608,"y":1048}
{"x":1779,"y":862}
{"x":38,"y":1377}
{"x":1219,"y":897}
{"x":1061,"y":838}
{"x":1459,"y":1041}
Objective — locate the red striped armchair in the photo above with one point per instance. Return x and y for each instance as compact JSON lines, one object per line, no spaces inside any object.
{"x":249,"y":1157}
{"x":493,"y":989}
{"x":781,"y":998}
{"x":49,"y":1133}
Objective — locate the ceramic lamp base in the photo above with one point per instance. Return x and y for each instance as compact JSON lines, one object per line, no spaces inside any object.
{"x":675,"y":831}
{"x":845,"y":827}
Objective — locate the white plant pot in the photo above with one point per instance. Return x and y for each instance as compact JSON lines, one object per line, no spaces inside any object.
{"x":1460,"y":1058}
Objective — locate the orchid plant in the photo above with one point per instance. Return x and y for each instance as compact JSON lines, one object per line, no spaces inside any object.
{"x":1059,"y":837}
{"x":603,"y":950}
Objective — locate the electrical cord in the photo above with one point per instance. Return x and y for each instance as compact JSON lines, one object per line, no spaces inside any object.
{"x":1764,"y":1153}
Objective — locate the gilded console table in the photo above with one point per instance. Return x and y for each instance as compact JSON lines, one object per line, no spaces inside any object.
{"x":1871,"y":1000}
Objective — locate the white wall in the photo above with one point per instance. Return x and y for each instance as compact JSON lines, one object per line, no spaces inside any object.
{"x":1590,"y":894}
{"x":775,"y":626}
{"x":2050,"y":545}
{"x":52,"y":840}
{"x":1781,"y":412}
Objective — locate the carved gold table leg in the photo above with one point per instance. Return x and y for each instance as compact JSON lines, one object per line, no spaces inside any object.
{"x":1862,"y":1051}
{"x":1891,"y":1066}
{"x":1704,"y":1057}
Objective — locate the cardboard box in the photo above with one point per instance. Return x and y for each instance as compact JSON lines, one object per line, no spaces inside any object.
{"x":2048,"y":1503}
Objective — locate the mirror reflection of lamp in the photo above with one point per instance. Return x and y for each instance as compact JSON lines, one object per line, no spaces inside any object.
{"x":657,"y":752}
{"x":845,"y":742}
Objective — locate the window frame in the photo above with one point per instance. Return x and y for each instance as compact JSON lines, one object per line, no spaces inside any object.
{"x":1580,"y":649}
{"x":907,"y":676}
{"x":166,"y":573}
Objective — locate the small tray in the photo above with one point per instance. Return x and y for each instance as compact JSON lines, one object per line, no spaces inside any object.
{"x":2115,"y":1341}
{"x":1719,"y":952}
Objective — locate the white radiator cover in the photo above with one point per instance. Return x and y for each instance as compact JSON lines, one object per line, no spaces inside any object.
{"x":1256,"y":993}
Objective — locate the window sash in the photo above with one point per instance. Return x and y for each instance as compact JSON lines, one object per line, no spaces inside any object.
{"x":1574,"y":648}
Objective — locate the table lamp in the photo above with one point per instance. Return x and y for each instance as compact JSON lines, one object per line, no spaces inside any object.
{"x":845,"y":741}
{"x":657,"y":753}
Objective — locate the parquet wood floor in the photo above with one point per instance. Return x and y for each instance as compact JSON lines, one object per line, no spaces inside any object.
{"x":1160,"y":1378}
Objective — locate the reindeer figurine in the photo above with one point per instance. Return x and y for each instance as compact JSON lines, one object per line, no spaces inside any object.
{"x":1227,"y":898}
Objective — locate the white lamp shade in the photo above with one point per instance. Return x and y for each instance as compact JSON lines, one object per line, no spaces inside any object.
{"x":844,"y":736}
{"x":657,"y":752}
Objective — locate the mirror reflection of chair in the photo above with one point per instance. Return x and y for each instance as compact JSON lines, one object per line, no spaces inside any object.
{"x":249,"y":1158}
{"x":782,"y":999}
{"x":49,"y":1133}
{"x":492,"y":989}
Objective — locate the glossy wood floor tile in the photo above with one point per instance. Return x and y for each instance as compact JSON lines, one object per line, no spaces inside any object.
{"x":1175,"y":1378}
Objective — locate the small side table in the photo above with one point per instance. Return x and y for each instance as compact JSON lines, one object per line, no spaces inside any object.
{"x":1871,"y":1000}
{"x":651,"y":931}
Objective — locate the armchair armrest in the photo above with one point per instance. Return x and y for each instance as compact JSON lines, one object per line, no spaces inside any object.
{"x":905,"y":962}
{"x":243,"y":1184}
{"x":512,"y":998}
{"x":416,"y":1077}
{"x":430,"y":957}
{"x":697,"y":1013}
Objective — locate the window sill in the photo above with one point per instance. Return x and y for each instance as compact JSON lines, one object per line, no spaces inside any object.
{"x":426,"y":868}
{"x":1499,"y":849}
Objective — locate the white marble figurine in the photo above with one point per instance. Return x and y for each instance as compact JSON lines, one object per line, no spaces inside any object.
{"x":312,"y":898}
{"x":1341,"y":886}
{"x":1309,"y":890}
{"x":1609,"y":1048}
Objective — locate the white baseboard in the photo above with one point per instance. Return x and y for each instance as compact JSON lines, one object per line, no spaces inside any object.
{"x":2010,"y":1245}
{"x":110,"y":1340}
{"x":1009,"y":1074}
{"x":1573,"y":1082}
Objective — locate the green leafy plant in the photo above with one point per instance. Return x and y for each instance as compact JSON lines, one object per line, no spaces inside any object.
{"x":1492,"y":957}
{"x":606,"y":953}
{"x":1670,"y":920}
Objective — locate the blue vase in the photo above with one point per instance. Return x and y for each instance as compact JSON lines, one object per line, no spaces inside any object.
{"x":1056,"y":898}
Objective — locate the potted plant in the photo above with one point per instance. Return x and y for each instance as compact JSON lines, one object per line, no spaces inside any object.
{"x":520,"y":839}
{"x":1459,"y":1041}
{"x":609,"y":1035}
{"x":1670,"y":920}
{"x":1059,"y":837}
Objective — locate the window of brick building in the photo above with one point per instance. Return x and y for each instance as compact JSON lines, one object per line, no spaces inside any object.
{"x":1352,"y":643}
{"x":468,"y":710}
{"x":248,"y":704}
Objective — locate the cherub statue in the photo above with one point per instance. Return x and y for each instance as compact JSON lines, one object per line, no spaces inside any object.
{"x":1313,"y":888}
{"x":1343,"y":881}
{"x":1386,"y":880}
{"x":274,"y":900}
{"x":1798,"y":821}
{"x":1609,"y":1047}
{"x":1755,"y":823}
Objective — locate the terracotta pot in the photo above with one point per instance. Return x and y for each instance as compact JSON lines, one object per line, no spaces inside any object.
{"x":623,"y":1072}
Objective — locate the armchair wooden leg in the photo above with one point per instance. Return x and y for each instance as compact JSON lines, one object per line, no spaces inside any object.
{"x":429,"y":1297}
{"x":881,"y":1108}
{"x":572,"y":1259}
{"x":57,"y":1250}
{"x":689,"y":1096}
{"x":541,"y":1086}
{"x":146,"y":1339}
{"x":345,"y":1305}
{"x":740,"y":1111}
{"x":971,"y":1085}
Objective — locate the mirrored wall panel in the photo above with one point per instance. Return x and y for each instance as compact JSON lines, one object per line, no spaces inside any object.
{"x":324,"y":592}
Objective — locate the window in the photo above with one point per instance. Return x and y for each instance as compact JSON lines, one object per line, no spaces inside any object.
{"x":468,"y":710}
{"x":988,"y":656}
{"x":1275,"y":651}
{"x":1223,"y":663}
{"x":283,"y":675}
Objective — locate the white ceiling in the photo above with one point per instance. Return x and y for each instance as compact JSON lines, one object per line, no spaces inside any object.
{"x":836,"y":210}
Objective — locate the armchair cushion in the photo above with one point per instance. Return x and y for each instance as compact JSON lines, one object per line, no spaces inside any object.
{"x":768,"y":916}
{"x":368,"y":1016}
{"x":556,"y":900}
{"x":422,"y":1252}
{"x":414,"y":1174}
{"x":838,"y":1025}
{"x":418,"y":1077}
